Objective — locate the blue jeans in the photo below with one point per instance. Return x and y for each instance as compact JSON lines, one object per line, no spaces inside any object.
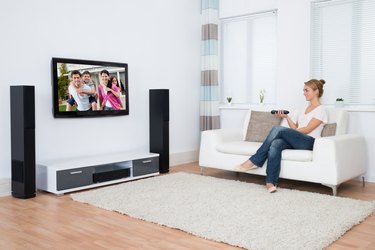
{"x":278,"y":139}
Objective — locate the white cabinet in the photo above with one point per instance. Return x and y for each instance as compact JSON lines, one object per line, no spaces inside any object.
{"x":68,"y":175}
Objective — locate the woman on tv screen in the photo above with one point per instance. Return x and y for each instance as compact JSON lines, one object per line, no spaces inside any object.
{"x":109,"y":94}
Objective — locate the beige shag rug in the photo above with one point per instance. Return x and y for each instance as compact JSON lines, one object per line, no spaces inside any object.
{"x":238,"y":213}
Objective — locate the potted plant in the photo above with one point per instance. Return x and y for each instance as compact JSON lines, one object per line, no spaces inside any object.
{"x":262,"y":95}
{"x":339,"y":102}
{"x":229,"y":99}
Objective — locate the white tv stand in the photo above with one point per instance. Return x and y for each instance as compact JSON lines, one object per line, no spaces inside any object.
{"x":68,"y":175}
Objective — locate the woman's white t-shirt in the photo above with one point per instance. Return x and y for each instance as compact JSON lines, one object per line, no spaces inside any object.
{"x":319,"y":113}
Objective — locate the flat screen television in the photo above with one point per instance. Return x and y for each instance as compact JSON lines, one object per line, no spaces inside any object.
{"x":86,"y":88}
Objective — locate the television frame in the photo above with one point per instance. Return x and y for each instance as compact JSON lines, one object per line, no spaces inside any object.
{"x":91,"y":113}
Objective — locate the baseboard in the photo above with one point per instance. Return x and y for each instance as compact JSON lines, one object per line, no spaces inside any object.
{"x":183,"y":158}
{"x":369,"y":179}
{"x":5,"y":187}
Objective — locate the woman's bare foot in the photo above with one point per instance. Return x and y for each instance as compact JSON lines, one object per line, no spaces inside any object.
{"x":271,"y":188}
{"x":246,"y":165}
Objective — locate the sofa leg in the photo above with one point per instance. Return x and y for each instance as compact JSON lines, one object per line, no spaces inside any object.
{"x":201,"y":170}
{"x":334,"y":190}
{"x":333,"y":187}
{"x":363,"y":180}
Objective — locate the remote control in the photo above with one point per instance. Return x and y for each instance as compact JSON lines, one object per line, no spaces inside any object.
{"x":275,"y":111}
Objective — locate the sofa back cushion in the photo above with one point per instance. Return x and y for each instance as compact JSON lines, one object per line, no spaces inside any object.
{"x":259,"y":125}
{"x":340,"y":117}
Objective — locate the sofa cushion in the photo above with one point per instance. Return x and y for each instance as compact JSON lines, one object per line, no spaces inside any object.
{"x":329,"y":130}
{"x":297,"y":155}
{"x":249,"y":148}
{"x":239,"y":147}
{"x":260,"y":125}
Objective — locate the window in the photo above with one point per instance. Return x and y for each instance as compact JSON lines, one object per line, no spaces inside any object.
{"x":248,"y":57}
{"x":343,"y":51}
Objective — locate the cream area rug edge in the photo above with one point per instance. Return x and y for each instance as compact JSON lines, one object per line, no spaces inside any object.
{"x":238,"y":213}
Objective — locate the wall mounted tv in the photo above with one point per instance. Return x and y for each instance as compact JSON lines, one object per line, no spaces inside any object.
{"x":85,"y":88}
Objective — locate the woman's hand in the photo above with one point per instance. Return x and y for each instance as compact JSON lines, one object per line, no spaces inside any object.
{"x":280,"y":113}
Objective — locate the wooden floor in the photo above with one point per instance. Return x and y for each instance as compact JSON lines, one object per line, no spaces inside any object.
{"x":51,"y":222}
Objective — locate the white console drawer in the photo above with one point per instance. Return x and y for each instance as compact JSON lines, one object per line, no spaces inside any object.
{"x":72,"y":178}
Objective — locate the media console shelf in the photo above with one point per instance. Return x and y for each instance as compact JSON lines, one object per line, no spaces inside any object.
{"x":68,"y":175}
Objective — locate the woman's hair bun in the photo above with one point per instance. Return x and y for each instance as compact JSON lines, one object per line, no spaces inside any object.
{"x":322,"y":81}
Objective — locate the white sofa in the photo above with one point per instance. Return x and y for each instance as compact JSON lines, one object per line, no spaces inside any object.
{"x":333,"y":160}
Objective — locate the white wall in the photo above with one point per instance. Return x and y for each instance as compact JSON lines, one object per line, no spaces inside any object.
{"x":294,"y":65}
{"x":160,"y":40}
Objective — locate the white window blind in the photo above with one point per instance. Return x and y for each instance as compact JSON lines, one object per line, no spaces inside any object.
{"x":343,"y":50}
{"x":248,"y":57}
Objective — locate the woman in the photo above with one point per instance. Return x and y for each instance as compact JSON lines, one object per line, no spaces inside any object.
{"x":300,"y":135}
{"x":115,"y":82}
{"x":109,"y":94}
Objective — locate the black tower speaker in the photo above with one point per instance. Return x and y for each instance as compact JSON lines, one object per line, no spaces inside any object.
{"x":159,"y":126}
{"x":22,"y":126}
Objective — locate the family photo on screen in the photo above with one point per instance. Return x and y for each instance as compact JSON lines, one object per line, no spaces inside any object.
{"x":91,"y":87}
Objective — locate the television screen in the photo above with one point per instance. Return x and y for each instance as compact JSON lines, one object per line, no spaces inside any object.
{"x":84,"y":88}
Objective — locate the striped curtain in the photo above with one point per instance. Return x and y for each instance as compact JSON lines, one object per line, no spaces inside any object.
{"x":209,"y":100}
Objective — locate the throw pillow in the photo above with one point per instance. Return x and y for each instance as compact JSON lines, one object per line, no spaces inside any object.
{"x":260,"y":125}
{"x":246,"y":124}
{"x":329,"y":130}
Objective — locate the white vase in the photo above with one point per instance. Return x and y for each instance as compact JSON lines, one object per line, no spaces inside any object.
{"x":339,"y":104}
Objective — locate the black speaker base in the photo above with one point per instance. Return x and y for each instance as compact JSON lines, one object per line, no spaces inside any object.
{"x":23,"y":196}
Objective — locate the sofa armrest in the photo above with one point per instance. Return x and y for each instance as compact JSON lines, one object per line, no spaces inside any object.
{"x":343,"y":156}
{"x":211,"y":138}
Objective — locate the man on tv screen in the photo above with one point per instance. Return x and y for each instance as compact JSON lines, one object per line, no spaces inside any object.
{"x":76,"y":89}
